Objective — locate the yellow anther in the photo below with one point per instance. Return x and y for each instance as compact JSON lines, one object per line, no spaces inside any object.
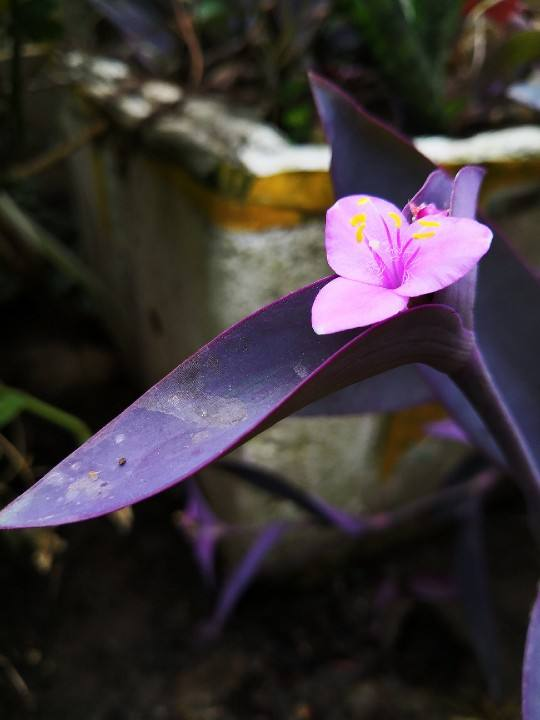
{"x":360,"y":233}
{"x":429,"y":223}
{"x":396,"y":218}
{"x":359,"y":219}
{"x":423,"y":235}
{"x":362,"y":201}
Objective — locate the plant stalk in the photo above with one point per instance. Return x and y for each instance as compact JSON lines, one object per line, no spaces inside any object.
{"x":475,"y":381}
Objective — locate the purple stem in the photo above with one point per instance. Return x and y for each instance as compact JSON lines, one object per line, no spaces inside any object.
{"x":441,"y":504}
{"x":474,"y":379}
{"x":531,"y":667}
{"x":444,"y":502}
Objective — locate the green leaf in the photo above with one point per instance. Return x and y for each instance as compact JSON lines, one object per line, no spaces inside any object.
{"x":209,"y":11}
{"x":411,"y":70}
{"x":11,"y":405}
{"x":437,"y":25}
{"x":39,"y":20}
{"x":13,"y":402}
{"x":520,"y":49}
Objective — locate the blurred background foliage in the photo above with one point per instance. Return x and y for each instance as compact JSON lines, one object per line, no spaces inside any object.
{"x":427,"y":67}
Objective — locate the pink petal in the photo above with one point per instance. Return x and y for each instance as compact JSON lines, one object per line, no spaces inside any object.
{"x":344,"y":304}
{"x":354,"y":222}
{"x":441,"y":251}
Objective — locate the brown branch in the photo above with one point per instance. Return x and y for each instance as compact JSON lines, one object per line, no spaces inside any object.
{"x":23,"y":171}
{"x":17,"y":459}
{"x":31,"y":236}
{"x":17,"y":681}
{"x":186,"y":29}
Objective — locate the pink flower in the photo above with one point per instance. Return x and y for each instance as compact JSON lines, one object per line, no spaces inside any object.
{"x":383,"y":261}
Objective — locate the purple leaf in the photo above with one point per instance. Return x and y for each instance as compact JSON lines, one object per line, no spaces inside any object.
{"x":464,"y":413}
{"x":508,"y":334}
{"x":463,"y":201}
{"x":473,"y":586}
{"x":369,"y":158}
{"x":276,"y":485}
{"x":390,"y":391}
{"x":436,"y":190}
{"x":145,"y":28}
{"x":531,"y":667}
{"x":460,"y":196}
{"x":447,"y":430}
{"x":202,"y":528}
{"x":252,"y":375}
{"x":235,"y":585}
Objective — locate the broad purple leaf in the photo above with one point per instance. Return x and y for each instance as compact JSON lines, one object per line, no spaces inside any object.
{"x":252,"y":375}
{"x":508,"y":332}
{"x":367,"y":156}
{"x":370,"y":158}
{"x":397,"y":389}
{"x":531,"y":667}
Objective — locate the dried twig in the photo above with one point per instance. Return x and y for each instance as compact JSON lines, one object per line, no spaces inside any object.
{"x":186,"y":29}
{"x":59,"y":152}
{"x":17,"y":681}
{"x":15,"y":222}
{"x":17,"y":459}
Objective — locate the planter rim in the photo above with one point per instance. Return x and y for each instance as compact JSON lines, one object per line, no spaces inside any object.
{"x":242,"y":161}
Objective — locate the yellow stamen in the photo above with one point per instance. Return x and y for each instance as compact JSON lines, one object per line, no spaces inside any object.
{"x":429,"y":223}
{"x":362,"y":201}
{"x":396,"y":218}
{"x":423,"y":235}
{"x":359,"y":219}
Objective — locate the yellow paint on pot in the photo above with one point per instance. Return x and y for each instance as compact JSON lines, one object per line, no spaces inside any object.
{"x":405,"y":429}
{"x":232,"y":213}
{"x":309,"y":192}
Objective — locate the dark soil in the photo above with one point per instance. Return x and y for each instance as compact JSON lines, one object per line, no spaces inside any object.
{"x":113,"y":632}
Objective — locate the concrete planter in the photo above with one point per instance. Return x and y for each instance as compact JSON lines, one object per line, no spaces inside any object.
{"x":196,"y":215}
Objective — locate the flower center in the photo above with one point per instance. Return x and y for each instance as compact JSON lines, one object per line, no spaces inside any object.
{"x":389,"y":253}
